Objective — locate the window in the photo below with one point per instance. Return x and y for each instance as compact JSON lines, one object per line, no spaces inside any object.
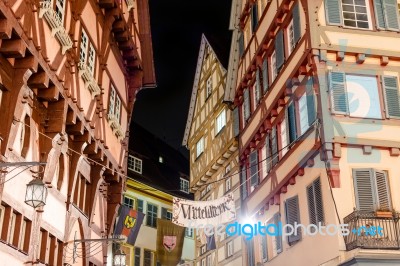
{"x":243,"y":182}
{"x":203,"y":262}
{"x":203,"y":249}
{"x":387,"y":14}
{"x":268,"y":153}
{"x":60,"y":9}
{"x":241,"y":44}
{"x":209,"y":87}
{"x":274,"y":69}
{"x":274,"y":146}
{"x":276,"y":241}
{"x":293,"y":216}
{"x":265,"y":75}
{"x":229,"y":249}
{"x":114,"y":106}
{"x":91,"y":59}
{"x":184,"y":185}
{"x":290,"y":37}
{"x":11,"y":228}
{"x":140,"y":205}
{"x":254,"y":17}
{"x":87,"y":53}
{"x":209,"y":260}
{"x":315,"y":205}
{"x":189,"y":232}
{"x":148,"y":258}
{"x":130,"y":202}
{"x":246,"y":104}
{"x":392,"y":96}
{"x":228,"y":185}
{"x":24,"y":237}
{"x":350,"y":13}
{"x":134,"y":164}
{"x":137,"y":257}
{"x":371,"y":189}
{"x":264,"y":247}
{"x":221,"y":121}
{"x":83,"y":46}
{"x":284,"y":135}
{"x":257,"y":87}
{"x":254,"y":169}
{"x":303,"y":113}
{"x":203,"y":193}
{"x":151,"y":215}
{"x":291,"y":116}
{"x":199,"y":147}
{"x":208,"y":188}
{"x":166,"y":214}
{"x":250,"y":252}
{"x":355,"y":95}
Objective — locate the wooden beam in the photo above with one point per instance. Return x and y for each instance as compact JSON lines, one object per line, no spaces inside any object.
{"x":119,"y":25}
{"x":48,"y":94}
{"x":76,"y":129}
{"x":13,"y":48}
{"x":56,"y":114}
{"x":106,"y":3}
{"x":5,"y":29}
{"x":28,"y":61}
{"x":121,"y":36}
{"x":39,"y":80}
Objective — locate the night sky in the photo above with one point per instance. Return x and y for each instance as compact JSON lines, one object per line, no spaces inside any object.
{"x":177,"y":26}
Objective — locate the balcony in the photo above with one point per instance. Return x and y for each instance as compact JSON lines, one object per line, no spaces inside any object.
{"x":115,"y":126}
{"x":90,"y":82}
{"x":55,"y":24}
{"x":389,"y":239}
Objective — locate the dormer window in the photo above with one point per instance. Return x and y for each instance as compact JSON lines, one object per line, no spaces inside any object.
{"x":135,"y":164}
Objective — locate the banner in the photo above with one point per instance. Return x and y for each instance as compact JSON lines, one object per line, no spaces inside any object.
{"x":170,"y":239}
{"x":189,"y":213}
{"x":128,"y":224}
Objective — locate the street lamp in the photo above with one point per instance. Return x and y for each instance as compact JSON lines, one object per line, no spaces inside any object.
{"x":119,"y":258}
{"x":36,"y":193}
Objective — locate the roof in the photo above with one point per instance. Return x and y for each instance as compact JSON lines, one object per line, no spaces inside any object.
{"x":163,"y":176}
{"x":203,"y":45}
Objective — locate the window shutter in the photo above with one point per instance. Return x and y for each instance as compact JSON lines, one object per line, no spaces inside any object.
{"x":163,"y":213}
{"x":296,"y":23}
{"x":292,"y":123}
{"x":254,"y":168}
{"x":337,"y":88}
{"x":382,"y":189}
{"x":254,"y":17}
{"x":258,"y":86}
{"x":318,"y":200}
{"x":311,"y":205}
{"x":264,"y":247}
{"x":265,"y":75}
{"x":236,"y":122}
{"x":333,"y":12}
{"x":363,"y":189}
{"x":243,"y":182}
{"x":246,"y":104}
{"x":268,"y":158}
{"x":310,"y":102}
{"x":292,"y":217}
{"x":380,"y":16}
{"x":391,"y":14}
{"x":241,"y":44}
{"x":280,"y":50}
{"x":392,"y":99}
{"x":278,"y":238}
{"x":274,"y":148}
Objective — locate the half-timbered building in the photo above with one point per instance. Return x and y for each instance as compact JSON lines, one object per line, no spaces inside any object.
{"x":213,"y":148}
{"x":69,"y":74}
{"x":318,"y":97}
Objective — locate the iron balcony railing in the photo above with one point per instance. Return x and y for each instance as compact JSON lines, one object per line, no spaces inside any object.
{"x":363,"y":233}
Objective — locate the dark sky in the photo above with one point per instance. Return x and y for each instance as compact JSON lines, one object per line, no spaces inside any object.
{"x":177,"y":26}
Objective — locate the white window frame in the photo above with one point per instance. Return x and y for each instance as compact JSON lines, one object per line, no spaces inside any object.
{"x":274,"y":69}
{"x":303,"y":113}
{"x":200,"y":147}
{"x":229,"y":249}
{"x":83,"y":46}
{"x":209,"y":85}
{"x":148,"y":212}
{"x":135,"y":164}
{"x":368,"y":16}
{"x":131,"y":200}
{"x":220,"y":121}
{"x":114,"y":105}
{"x":60,"y":5}
{"x":290,"y":37}
{"x":91,"y":58}
{"x":184,"y":184}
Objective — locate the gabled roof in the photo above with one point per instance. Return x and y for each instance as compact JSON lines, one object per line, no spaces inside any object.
{"x":163,"y":176}
{"x":203,"y":45}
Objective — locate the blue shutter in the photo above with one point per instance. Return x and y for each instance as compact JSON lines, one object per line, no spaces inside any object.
{"x":278,"y":238}
{"x":292,"y":123}
{"x":310,"y":102}
{"x":265,"y":75}
{"x":337,"y":88}
{"x":391,"y":14}
{"x":392,"y":98}
{"x":315,"y":204}
{"x":292,"y":217}
{"x":379,"y":14}
{"x":236,"y":128}
{"x":279,"y":50}
{"x":254,"y":168}
{"x":296,"y":23}
{"x":333,"y":12}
